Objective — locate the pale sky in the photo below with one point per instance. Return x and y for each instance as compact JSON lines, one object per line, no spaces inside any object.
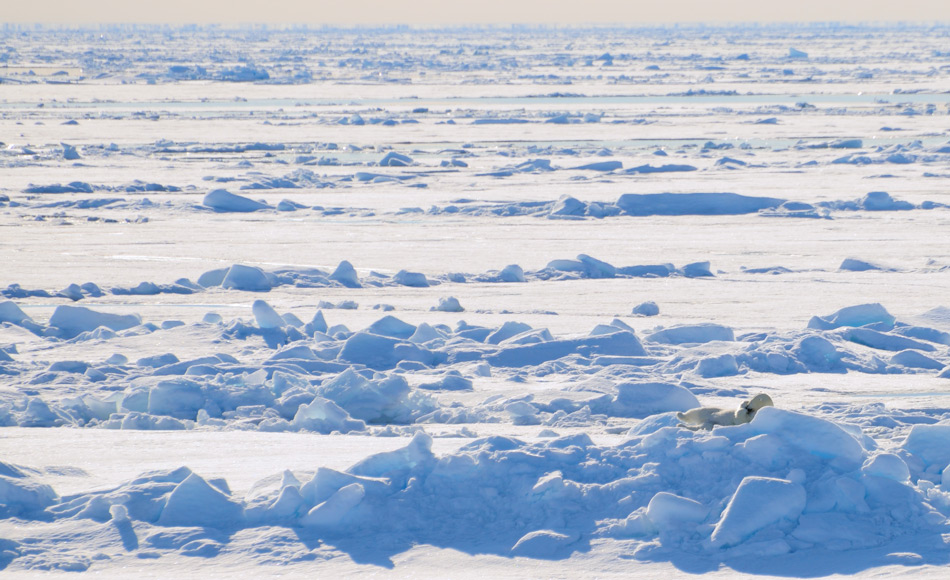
{"x":448,"y":12}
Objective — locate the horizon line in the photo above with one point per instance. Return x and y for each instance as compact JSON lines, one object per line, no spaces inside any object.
{"x":482,"y":25}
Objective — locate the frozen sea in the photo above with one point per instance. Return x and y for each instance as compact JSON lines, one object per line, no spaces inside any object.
{"x":430,"y":303}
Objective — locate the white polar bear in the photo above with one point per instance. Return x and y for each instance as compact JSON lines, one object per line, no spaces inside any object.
{"x":709,"y":417}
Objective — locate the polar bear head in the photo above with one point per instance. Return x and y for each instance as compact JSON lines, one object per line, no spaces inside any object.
{"x":747,"y":409}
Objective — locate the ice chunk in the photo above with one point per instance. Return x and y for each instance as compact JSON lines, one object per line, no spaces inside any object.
{"x":669,"y":511}
{"x":73,"y":292}
{"x":392,"y":327}
{"x":412,"y":279}
{"x":600,"y":166}
{"x":10,"y":312}
{"x":39,"y":414}
{"x":323,"y":416}
{"x":194,"y":502}
{"x":522,"y":413}
{"x":882,"y":201}
{"x":289,"y":205}
{"x":179,"y":398}
{"x":346,"y":275}
{"x":212,"y":318}
{"x":69,"y":152}
{"x":619,"y":343}
{"x":648,"y":270}
{"x":372,"y":350}
{"x":697,"y":270}
{"x":145,"y":422}
{"x":74,"y":320}
{"x":247,"y":278}
{"x":595,"y":268}
{"x":692,"y":333}
{"x":859,"y":315}
{"x":400,"y":464}
{"x":723,"y":365}
{"x":451,"y":381}
{"x":212,"y":277}
{"x":142,"y":289}
{"x":566,"y":265}
{"x":266,"y":316}
{"x":511,"y":273}
{"x":384,"y":400}
{"x":544,"y":544}
{"x":568,"y":206}
{"x":317,"y":324}
{"x":646,"y":309}
{"x":299,"y":351}
{"x":290,"y":319}
{"x":757,"y":503}
{"x":69,"y":366}
{"x":813,"y":435}
{"x":21,"y":495}
{"x":221,"y":200}
{"x":931,"y":443}
{"x":91,"y":289}
{"x":449,"y":304}
{"x":649,"y":398}
{"x":289,"y":503}
{"x":393,"y":159}
{"x":585,"y":265}
{"x":507,"y":330}
{"x":645,"y":204}
{"x":856,"y":265}
{"x":887,"y":465}
{"x":817,"y":354}
{"x":668,"y":168}
{"x":530,"y":336}
{"x":426,"y":333}
{"x":913,"y":359}
{"x":883,"y":340}
{"x":326,"y":482}
{"x":330,"y":513}
{"x":158,"y":360}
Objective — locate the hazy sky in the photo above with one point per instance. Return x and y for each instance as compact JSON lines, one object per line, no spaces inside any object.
{"x":434,"y":12}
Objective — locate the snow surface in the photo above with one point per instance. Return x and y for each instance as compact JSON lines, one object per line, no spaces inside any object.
{"x":426,"y":303}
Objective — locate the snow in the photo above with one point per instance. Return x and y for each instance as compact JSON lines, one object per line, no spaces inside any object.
{"x":622,"y":236}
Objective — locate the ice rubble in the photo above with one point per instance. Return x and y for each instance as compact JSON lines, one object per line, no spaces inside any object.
{"x":567,"y":207}
{"x":714,"y":203}
{"x":326,"y":379}
{"x":786,"y":483}
{"x":255,"y":279}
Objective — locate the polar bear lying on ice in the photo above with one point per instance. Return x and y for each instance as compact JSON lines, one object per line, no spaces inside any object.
{"x":709,"y":417}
